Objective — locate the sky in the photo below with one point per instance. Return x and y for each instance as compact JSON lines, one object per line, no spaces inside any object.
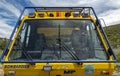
{"x":10,"y":10}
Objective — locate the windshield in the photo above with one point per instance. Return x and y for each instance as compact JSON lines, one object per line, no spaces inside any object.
{"x":58,"y":40}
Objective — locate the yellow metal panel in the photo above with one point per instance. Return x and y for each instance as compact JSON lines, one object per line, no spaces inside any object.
{"x":71,"y":69}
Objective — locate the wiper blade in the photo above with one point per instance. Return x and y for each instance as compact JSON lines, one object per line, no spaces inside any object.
{"x":27,"y":55}
{"x":62,"y":45}
{"x":59,"y":39}
{"x":69,"y":51}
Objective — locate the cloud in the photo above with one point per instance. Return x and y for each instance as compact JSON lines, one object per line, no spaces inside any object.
{"x":113,"y":3}
{"x":57,"y":3}
{"x":11,"y":9}
{"x":104,"y":8}
{"x":111,"y":16}
{"x":8,"y":16}
{"x":5,"y":29}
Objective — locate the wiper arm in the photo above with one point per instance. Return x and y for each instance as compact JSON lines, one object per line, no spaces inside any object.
{"x":65,"y":47}
{"x":70,"y":51}
{"x":28,"y":56}
{"x":59,"y":40}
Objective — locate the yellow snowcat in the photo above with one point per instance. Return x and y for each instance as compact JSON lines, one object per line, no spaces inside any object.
{"x":58,"y":41}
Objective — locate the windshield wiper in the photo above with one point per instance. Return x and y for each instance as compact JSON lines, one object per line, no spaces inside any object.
{"x":69,"y":51}
{"x":59,"y":40}
{"x":18,"y":47}
{"x":28,"y":56}
{"x":64,"y":46}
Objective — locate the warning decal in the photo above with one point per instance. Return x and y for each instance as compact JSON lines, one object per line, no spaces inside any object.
{"x":89,"y":69}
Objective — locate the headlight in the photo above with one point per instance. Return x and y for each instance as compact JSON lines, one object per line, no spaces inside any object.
{"x":104,"y":73}
{"x":31,"y":15}
{"x":76,"y":14}
{"x":11,"y":73}
{"x":47,"y":67}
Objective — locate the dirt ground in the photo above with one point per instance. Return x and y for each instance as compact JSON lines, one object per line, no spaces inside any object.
{"x":116,"y":50}
{"x":117,"y":65}
{"x":117,"y":70}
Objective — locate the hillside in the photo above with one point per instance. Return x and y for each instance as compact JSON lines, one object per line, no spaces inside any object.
{"x":3,"y":42}
{"x":113,"y":33}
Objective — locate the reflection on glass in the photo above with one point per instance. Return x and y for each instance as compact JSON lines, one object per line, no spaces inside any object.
{"x":58,"y":40}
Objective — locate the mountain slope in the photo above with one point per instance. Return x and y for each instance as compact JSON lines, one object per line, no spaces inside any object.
{"x":113,"y":33}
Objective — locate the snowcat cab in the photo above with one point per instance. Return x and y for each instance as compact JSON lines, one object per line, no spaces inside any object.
{"x":58,"y":41}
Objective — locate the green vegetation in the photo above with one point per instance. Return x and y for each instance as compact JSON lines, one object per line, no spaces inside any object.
{"x":117,"y":68}
{"x":3,"y":42}
{"x":118,"y":57}
{"x":113,"y":34}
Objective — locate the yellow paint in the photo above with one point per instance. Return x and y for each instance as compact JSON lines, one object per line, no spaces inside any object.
{"x":59,"y":68}
{"x":102,"y":38}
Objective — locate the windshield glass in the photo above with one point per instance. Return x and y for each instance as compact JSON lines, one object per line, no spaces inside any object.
{"x":58,"y":40}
